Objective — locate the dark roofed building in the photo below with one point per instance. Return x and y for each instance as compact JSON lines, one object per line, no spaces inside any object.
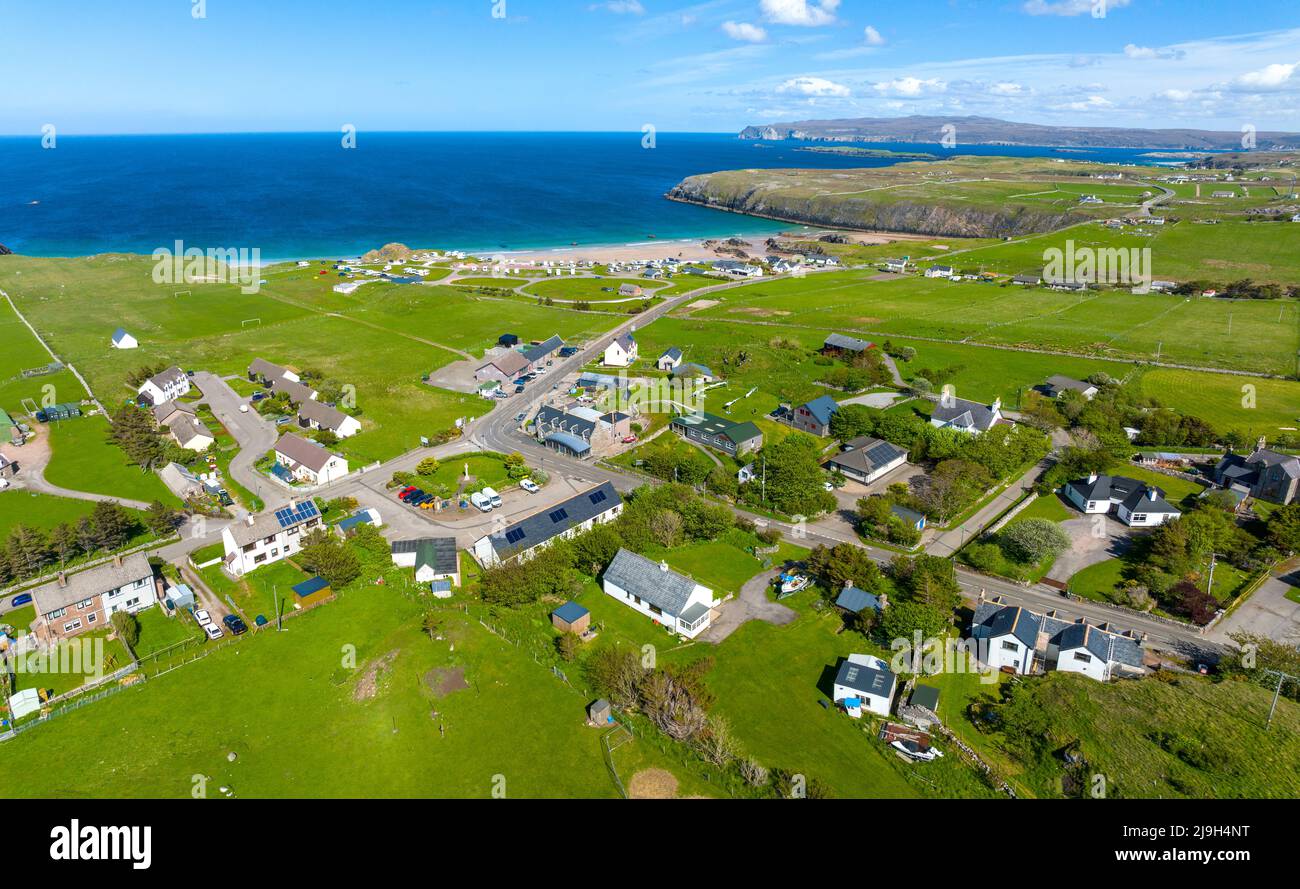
{"x":866,"y":459}
{"x":841,"y":343}
{"x":966,"y":416}
{"x":577,"y":514}
{"x":718,"y":432}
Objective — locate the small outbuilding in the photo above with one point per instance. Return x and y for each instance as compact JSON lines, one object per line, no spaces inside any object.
{"x":600,"y":713}
{"x":123,"y":340}
{"x":571,"y":618}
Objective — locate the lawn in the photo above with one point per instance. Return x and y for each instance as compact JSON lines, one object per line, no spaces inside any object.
{"x":1227,"y":401}
{"x":79,"y":655}
{"x":257,"y":592}
{"x":20,"y":618}
{"x":42,"y":511}
{"x":158,"y":631}
{"x":300,"y":719}
{"x":84,"y":460}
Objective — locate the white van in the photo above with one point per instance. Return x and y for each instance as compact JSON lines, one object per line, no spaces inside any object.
{"x":493,"y":497}
{"x":482,"y":503}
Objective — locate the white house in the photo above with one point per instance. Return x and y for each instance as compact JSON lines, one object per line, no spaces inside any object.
{"x":670,"y":359}
{"x":865,"y":459}
{"x":1134,"y":503}
{"x":864,"y":683}
{"x":434,"y":559}
{"x":939,"y":271}
{"x":661,"y":594}
{"x":1025,"y":642}
{"x":898,"y":266}
{"x":965,"y":416}
{"x":168,"y":385}
{"x":622,"y":351}
{"x":189,"y":432}
{"x":123,"y":340}
{"x":1057,"y":385}
{"x":314,"y":415}
{"x":737,"y":269}
{"x":565,"y":519}
{"x":307,"y":461}
{"x":270,"y":537}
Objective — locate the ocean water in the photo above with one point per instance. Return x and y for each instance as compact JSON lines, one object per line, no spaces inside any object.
{"x":303,"y":195}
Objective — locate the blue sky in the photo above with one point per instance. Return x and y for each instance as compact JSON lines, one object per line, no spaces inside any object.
{"x":151,"y":66}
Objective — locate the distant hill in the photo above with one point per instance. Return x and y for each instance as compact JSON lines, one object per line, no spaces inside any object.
{"x":991,"y":131}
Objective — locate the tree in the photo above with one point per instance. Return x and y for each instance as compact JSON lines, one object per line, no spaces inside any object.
{"x":127,"y":627}
{"x":1284,"y":527}
{"x":428,"y":466}
{"x":516,"y":466}
{"x":1030,"y":541}
{"x":928,"y":579}
{"x":567,"y":645}
{"x":793,"y":478}
{"x":952,"y":485}
{"x":902,"y":620}
{"x":113,"y":525}
{"x":160,"y":519}
{"x":615,"y":673}
{"x":844,"y":564}
{"x":63,"y":543}
{"x":326,"y":555}
{"x":431,"y":623}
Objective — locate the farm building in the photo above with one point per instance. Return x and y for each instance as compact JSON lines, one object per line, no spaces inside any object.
{"x":571,"y":618}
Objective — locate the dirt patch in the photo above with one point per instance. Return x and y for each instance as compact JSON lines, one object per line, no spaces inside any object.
{"x":864,"y":322}
{"x":757,"y":312}
{"x":701,"y":304}
{"x":368,"y":684}
{"x":445,"y":680}
{"x":652,"y":784}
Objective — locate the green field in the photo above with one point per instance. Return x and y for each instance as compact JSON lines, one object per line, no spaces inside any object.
{"x":42,"y":511}
{"x":590,"y":289}
{"x":84,"y":460}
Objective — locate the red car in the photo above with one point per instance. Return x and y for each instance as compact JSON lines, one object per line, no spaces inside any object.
{"x":629,"y":440}
{"x":406,"y":492}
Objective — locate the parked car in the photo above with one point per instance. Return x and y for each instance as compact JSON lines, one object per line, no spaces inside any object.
{"x":21,"y":599}
{"x":493,"y":497}
{"x":202,"y":617}
{"x":235,"y":624}
{"x":243,"y":408}
{"x":529,"y":485}
{"x":519,"y":388}
{"x":521,"y":416}
{"x":481,"y":503}
{"x":629,"y":439}
{"x":213,"y":631}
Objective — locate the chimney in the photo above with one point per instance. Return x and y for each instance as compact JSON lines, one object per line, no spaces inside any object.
{"x":1261,"y":444}
{"x":251,"y":520}
{"x":1092,"y":478}
{"x":63,"y":579}
{"x":117,"y":560}
{"x":996,"y":405}
{"x":1153,"y":493}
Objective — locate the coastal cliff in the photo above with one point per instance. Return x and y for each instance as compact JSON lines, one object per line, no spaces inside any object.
{"x":866,"y":211}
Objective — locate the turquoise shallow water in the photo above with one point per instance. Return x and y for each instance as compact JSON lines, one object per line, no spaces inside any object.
{"x":302,"y":194}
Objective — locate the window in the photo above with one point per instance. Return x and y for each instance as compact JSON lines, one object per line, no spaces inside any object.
{"x":1139,"y":517}
{"x":656,"y":610}
{"x":92,"y":617}
{"x":1009,"y":645}
{"x":1082,"y":657}
{"x":72,"y":625}
{"x":257,"y":560}
{"x":55,"y":615}
{"x":275,"y":552}
{"x":131,"y":603}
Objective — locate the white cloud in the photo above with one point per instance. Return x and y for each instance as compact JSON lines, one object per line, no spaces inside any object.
{"x":1175,"y":95}
{"x":744,"y":31}
{"x":1094,"y":8}
{"x":807,"y":13}
{"x":620,"y":7}
{"x":1268,"y":78}
{"x":814,"y":86}
{"x":1092,"y":103}
{"x":872,"y":36}
{"x":910,"y":86}
{"x":1007,"y":88}
{"x":1133,"y":51}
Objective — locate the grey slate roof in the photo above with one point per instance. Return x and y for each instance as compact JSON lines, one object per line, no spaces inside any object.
{"x":692,"y":369}
{"x":1290,"y":465}
{"x":855,"y":600}
{"x":91,"y":582}
{"x":266,"y":525}
{"x":1056,"y":383}
{"x":169,"y":377}
{"x":960,"y":412}
{"x":672,"y":352}
{"x":1131,"y":493}
{"x":554,"y":419}
{"x":163,"y":411}
{"x":867,"y":454}
{"x":848,"y":343}
{"x":865,"y":679}
{"x":297,"y":392}
{"x":327,"y":417}
{"x":653,"y":581}
{"x":263,"y":368}
{"x":993,"y":619}
{"x":539,"y":352}
{"x":186,"y":428}
{"x":304,"y":452}
{"x":551,"y":521}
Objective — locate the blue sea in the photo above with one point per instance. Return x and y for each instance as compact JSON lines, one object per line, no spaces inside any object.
{"x":304,"y":195}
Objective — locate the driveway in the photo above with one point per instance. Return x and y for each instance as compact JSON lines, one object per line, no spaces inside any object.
{"x":255,"y":436}
{"x":751,"y":603}
{"x":1268,"y":612}
{"x":1087,"y":548}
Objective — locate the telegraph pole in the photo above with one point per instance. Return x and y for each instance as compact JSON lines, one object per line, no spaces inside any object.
{"x":1277,"y":692}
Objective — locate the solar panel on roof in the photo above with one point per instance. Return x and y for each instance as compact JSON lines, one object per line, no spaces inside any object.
{"x":514,"y":535}
{"x":598,"y":497}
{"x":290,"y":515}
{"x":559,"y":515}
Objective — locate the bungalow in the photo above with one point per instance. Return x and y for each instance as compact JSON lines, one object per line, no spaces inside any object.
{"x":297,"y":392}
{"x":1027,"y":280}
{"x":839,"y":344}
{"x":966,"y":416}
{"x":180,"y":481}
{"x":260,"y":540}
{"x":864,"y":682}
{"x":433,"y":558}
{"x":543,"y":351}
{"x":568,"y":518}
{"x":691,"y":371}
{"x":621,"y":352}
{"x":652,"y":588}
{"x":865,"y":459}
{"x":1264,"y":474}
{"x":502,"y":367}
{"x":855,"y":601}
{"x":167,"y":385}
{"x":814,"y":416}
{"x":630,"y":290}
{"x":74,"y":603}
{"x":263,"y":371}
{"x":1135,"y":503}
{"x":189,"y":432}
{"x":1057,"y":385}
{"x":307,"y":461}
{"x":123,"y":340}
{"x":1022,"y":640}
{"x":669,"y":359}
{"x":737,"y":269}
{"x":717,"y":432}
{"x":314,"y":415}
{"x":939,"y":271}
